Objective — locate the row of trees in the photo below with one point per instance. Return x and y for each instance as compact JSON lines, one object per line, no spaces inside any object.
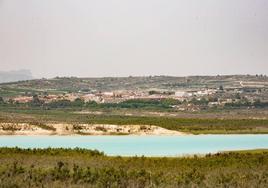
{"x":256,"y":104}
{"x":64,"y":103}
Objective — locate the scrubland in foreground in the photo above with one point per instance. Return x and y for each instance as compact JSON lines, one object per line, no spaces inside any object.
{"x":85,"y":168}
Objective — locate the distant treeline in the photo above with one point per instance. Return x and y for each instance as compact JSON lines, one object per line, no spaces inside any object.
{"x":79,"y":103}
{"x":256,"y":104}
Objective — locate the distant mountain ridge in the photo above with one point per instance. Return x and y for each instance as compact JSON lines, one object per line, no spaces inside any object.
{"x":13,"y":76}
{"x":75,"y":84}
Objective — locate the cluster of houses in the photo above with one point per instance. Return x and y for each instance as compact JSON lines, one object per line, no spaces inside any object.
{"x":221,"y":96}
{"x":118,"y":96}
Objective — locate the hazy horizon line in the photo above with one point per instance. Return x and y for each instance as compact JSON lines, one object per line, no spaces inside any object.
{"x":136,"y":76}
{"x":127,"y":76}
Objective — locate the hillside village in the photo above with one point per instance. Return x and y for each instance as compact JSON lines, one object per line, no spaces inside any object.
{"x":191,"y":93}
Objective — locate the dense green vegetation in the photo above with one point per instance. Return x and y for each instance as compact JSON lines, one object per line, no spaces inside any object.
{"x":85,"y":168}
{"x":256,"y":104}
{"x":143,"y":103}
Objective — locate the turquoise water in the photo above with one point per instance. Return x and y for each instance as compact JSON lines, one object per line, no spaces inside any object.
{"x":143,"y":145}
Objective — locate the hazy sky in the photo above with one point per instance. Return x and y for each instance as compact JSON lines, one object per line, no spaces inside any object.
{"x":134,"y":37}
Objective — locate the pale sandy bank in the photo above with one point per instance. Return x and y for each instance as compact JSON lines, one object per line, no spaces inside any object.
{"x":83,"y":129}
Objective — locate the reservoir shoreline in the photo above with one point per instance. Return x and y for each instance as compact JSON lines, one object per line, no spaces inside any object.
{"x":150,"y":146}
